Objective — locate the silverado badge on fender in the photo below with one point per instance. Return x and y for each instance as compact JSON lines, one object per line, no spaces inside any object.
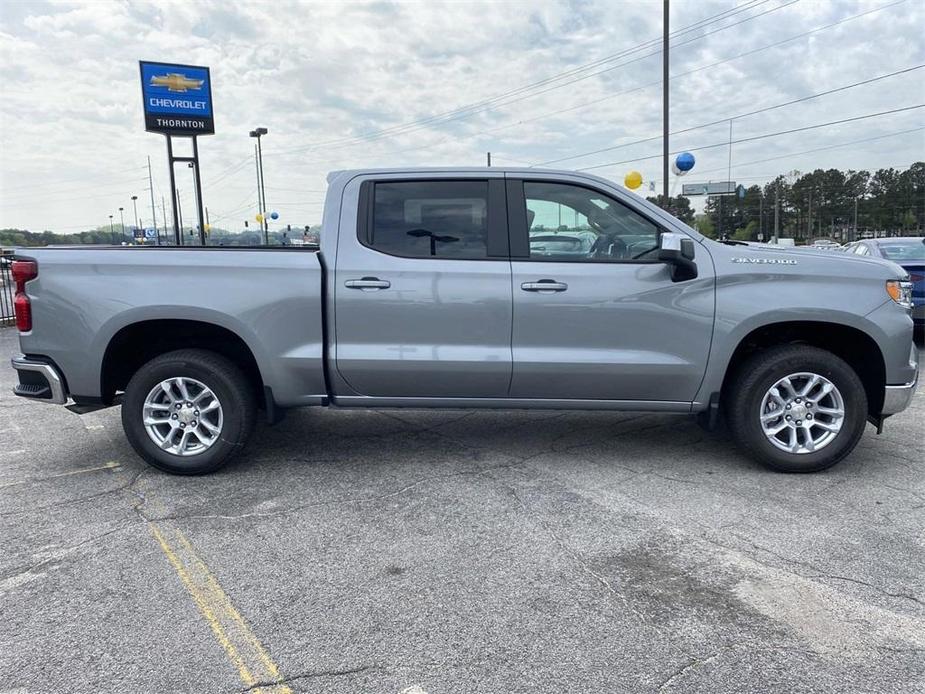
{"x":765,"y":261}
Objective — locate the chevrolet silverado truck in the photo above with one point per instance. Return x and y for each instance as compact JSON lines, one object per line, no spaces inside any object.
{"x":471,"y":288}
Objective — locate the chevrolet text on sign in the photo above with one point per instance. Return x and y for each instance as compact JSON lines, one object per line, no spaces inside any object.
{"x":177,"y":99}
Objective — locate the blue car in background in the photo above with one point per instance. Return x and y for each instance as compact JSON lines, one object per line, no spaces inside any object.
{"x":909,"y":252}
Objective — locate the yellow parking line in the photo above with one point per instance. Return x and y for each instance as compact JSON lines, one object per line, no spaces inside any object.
{"x":244,"y":650}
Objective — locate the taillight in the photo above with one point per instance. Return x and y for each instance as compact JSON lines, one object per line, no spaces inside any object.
{"x":22,"y":271}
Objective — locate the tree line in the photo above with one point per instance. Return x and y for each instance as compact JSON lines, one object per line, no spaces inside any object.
{"x":824,"y":203}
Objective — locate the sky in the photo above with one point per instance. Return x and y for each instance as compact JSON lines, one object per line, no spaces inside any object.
{"x":353,"y":85}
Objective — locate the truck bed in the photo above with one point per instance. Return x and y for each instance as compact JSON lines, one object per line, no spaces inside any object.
{"x":270,"y":297}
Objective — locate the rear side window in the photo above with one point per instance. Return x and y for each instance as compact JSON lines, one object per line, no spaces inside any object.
{"x":430,"y":219}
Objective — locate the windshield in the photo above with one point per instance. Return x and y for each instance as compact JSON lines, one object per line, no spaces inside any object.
{"x":903,"y":250}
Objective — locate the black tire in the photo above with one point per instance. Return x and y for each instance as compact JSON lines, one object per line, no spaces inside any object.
{"x":760,"y":372}
{"x":229,"y":384}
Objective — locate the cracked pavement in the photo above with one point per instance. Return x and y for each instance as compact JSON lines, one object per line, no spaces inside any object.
{"x":444,"y":551}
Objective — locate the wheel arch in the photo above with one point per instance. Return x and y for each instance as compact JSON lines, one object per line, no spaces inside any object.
{"x":133,"y":345}
{"x":858,"y":348}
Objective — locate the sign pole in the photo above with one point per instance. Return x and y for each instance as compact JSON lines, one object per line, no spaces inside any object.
{"x":202,"y":219}
{"x":173,"y":194}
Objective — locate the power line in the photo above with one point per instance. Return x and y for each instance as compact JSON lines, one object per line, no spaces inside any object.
{"x":819,"y":149}
{"x":624,"y":92}
{"x":533,"y":85}
{"x":737,"y":116}
{"x":726,"y":143}
{"x":6,"y":189}
{"x":234,"y":211}
{"x":478,"y":107}
{"x":55,"y":197}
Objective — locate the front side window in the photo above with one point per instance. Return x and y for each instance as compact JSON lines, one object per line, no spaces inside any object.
{"x":430,"y":219}
{"x":572,"y":223}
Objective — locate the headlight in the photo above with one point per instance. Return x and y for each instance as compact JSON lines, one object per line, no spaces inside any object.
{"x":900,"y":291}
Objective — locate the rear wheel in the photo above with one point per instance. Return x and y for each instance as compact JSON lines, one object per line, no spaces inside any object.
{"x":188,"y":412}
{"x":797,"y":408}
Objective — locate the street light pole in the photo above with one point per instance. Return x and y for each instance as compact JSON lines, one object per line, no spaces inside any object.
{"x":122,"y":224}
{"x":135,"y":208}
{"x":112,"y":234}
{"x":262,"y":193}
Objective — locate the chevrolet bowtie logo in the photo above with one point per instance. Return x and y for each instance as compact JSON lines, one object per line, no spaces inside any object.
{"x":176,"y":82}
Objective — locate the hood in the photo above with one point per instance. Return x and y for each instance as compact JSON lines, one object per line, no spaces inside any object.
{"x":803,"y":259}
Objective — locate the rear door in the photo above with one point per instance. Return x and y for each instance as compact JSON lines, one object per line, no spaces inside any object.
{"x":596,"y":316}
{"x":423,"y":288}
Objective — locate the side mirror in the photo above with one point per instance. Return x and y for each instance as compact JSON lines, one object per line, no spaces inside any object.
{"x":677,"y":250}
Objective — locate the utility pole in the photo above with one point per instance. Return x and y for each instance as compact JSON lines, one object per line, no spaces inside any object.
{"x":164,"y":215}
{"x":761,"y":214}
{"x":151,"y":189}
{"x":665,"y":104}
{"x":855,"y":237}
{"x":809,"y":217}
{"x":180,"y":215}
{"x":776,"y":211}
{"x":729,"y":160}
{"x":489,"y":158}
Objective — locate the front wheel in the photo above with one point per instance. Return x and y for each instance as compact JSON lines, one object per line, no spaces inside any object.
{"x":797,"y":408}
{"x":188,"y":412}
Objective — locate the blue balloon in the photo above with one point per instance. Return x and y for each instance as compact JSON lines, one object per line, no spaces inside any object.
{"x":275,"y":215}
{"x":685,"y":161}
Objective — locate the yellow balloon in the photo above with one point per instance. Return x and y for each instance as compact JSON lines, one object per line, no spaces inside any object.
{"x":633,"y":180}
{"x":259,"y":217}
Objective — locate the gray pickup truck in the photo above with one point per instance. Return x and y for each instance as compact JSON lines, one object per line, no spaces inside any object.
{"x":471,"y":288}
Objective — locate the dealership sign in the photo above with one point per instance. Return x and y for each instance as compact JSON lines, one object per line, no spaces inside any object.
{"x":177,"y":99}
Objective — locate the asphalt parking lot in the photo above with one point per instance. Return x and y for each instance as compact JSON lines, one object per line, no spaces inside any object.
{"x":429,"y":552}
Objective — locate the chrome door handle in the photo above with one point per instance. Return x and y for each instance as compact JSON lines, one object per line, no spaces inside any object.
{"x":544,"y":286}
{"x":368,"y":284}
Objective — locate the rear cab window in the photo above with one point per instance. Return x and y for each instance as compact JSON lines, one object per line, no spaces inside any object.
{"x":438,"y":219}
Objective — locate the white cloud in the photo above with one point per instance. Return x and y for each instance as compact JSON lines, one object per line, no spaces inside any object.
{"x":334,"y":75}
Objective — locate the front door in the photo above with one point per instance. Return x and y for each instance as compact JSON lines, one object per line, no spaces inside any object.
{"x":596,"y":316}
{"x":423,"y":290}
